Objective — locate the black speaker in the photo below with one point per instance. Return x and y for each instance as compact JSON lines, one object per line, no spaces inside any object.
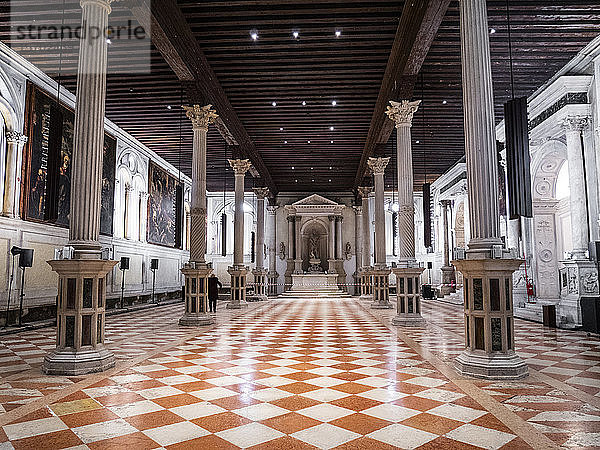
{"x":124,"y":263}
{"x":429,"y":265}
{"x":26,"y":258}
{"x":590,"y":314}
{"x":594,"y":248}
{"x":154,"y":264}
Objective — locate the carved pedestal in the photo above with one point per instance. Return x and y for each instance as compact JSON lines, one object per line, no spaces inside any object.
{"x":578,"y":278}
{"x":409,"y":297}
{"x":489,"y":327}
{"x":260,"y":280}
{"x":380,"y":276}
{"x":448,"y":281}
{"x":366,"y":284}
{"x":80,"y":319}
{"x":196,"y":296}
{"x":332,"y":264}
{"x":238,"y":287}
{"x":273,"y":278}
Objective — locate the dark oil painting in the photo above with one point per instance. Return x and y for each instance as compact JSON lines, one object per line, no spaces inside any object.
{"x":162,"y":207}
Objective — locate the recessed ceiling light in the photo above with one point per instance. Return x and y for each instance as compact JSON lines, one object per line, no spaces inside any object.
{"x":417,"y":142}
{"x":444,"y":102}
{"x":254,"y":35}
{"x":303,"y":103}
{"x":333,"y":103}
{"x":311,"y":168}
{"x":330,"y":180}
{"x":309,"y":142}
{"x":338,"y":33}
{"x":293,"y":168}
{"x":331,"y":128}
{"x":108,"y":41}
{"x":274,"y":103}
{"x":492,"y":31}
{"x":295,"y":34}
{"x":169,"y":107}
{"x":296,"y":181}
{"x":313,"y":181}
{"x":280,"y":128}
{"x":332,"y":142}
{"x":285,"y":142}
{"x":330,"y":168}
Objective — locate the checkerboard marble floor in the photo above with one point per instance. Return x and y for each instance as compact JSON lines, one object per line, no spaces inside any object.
{"x":304,"y":373}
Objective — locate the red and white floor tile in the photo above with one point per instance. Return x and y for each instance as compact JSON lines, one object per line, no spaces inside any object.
{"x":301,"y":373}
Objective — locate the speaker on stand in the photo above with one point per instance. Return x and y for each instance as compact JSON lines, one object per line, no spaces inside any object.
{"x":153,"y":268}
{"x":25,"y":261}
{"x":124,"y":265}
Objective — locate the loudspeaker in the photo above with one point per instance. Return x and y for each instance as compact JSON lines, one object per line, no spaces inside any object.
{"x":124,"y":263}
{"x":154,"y":264}
{"x":594,"y":248}
{"x":590,"y":314}
{"x":26,"y":258}
{"x":15,"y":250}
{"x":429,"y":265}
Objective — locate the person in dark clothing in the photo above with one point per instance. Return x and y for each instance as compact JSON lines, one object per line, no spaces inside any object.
{"x":213,"y":292}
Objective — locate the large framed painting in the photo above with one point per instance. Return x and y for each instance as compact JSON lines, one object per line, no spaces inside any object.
{"x":164,"y":208}
{"x":46,"y":171}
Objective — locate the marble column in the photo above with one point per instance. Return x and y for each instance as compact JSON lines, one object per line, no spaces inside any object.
{"x":291,"y":219}
{"x":238,"y":270}
{"x":448,"y":276}
{"x":366,"y":281}
{"x":298,"y":245}
{"x":196,"y":272}
{"x":582,"y":272}
{"x":489,"y":327}
{"x":358,"y":237}
{"x":574,"y":126}
{"x":260,"y":274}
{"x":340,"y":254}
{"x":381,"y":272}
{"x":273,"y":276}
{"x":331,"y":245}
{"x":15,"y":142}
{"x":408,"y":272}
{"x":82,"y":280}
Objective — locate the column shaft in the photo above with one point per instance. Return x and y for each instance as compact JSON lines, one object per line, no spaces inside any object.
{"x":480,"y":140}
{"x":86,"y":173}
{"x":331,"y":237}
{"x":14,"y":145}
{"x":260,"y":232}
{"x":291,"y":221}
{"x":366,"y":230}
{"x":338,"y":238}
{"x":406,"y":211}
{"x":238,"y":221}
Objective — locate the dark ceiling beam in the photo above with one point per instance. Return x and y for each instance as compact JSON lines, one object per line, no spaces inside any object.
{"x":418,"y":26}
{"x":174,"y":39}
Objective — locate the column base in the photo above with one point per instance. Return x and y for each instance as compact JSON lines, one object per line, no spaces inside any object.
{"x":579,"y":278}
{"x":238,"y":287}
{"x":501,"y":366}
{"x":331,"y":268}
{"x":298,"y":266}
{"x":381,"y":288}
{"x":365,"y":298}
{"x":196,"y":320}
{"x":236,"y":305}
{"x":408,"y":320}
{"x":379,"y":305}
{"x":447,"y":277}
{"x":69,"y":362}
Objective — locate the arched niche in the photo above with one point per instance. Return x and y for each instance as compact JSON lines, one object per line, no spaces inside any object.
{"x":459,"y":224}
{"x":551,"y":227}
{"x":317,"y":228}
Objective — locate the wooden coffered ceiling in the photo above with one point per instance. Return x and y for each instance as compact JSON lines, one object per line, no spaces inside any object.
{"x":318,"y":68}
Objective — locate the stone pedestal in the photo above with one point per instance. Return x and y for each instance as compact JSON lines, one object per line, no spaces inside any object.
{"x":380,"y":276}
{"x":366,"y":284}
{"x":80,"y":319}
{"x":298,"y":266}
{"x":314,"y":282}
{"x":332,"y":264}
{"x":273,"y":276}
{"x":341,"y":275}
{"x":408,"y":306}
{"x":238,"y":287}
{"x":448,"y":281}
{"x":489,"y":328}
{"x":578,"y":278}
{"x":260,"y":279}
{"x":196,"y":296}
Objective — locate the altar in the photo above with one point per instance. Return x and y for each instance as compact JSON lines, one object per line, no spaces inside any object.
{"x":315,"y":282}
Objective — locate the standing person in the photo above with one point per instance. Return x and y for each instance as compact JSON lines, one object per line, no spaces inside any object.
{"x":213,"y":292}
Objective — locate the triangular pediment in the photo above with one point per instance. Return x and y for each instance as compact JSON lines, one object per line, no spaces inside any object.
{"x":313,"y":200}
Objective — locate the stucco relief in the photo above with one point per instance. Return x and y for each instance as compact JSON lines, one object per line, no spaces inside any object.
{"x":547,"y":267}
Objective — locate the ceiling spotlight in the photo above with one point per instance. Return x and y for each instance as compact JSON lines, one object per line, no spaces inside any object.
{"x":333,"y":103}
{"x":108,"y":41}
{"x":169,"y":107}
{"x":331,"y":128}
{"x":313,"y":181}
{"x":395,"y":207}
{"x":303,"y":103}
{"x":330,"y":168}
{"x":285,"y":142}
{"x":311,"y":168}
{"x":254,"y":35}
{"x":492,"y":31}
{"x":444,"y":102}
{"x":330,"y":180}
{"x":296,"y":181}
{"x":293,"y":168}
{"x":338,"y":33}
{"x":417,"y":142}
{"x":274,"y":103}
{"x":309,"y":142}
{"x":280,"y":128}
{"x":295,"y":34}
{"x":332,"y":142}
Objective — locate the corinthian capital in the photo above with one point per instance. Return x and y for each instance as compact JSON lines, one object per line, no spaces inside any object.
{"x":402,"y":112}
{"x":365,"y":191}
{"x":261,"y":192}
{"x":240,"y":166}
{"x":576,"y":123}
{"x":14,"y":137}
{"x":378,"y":165}
{"x":201,"y":116}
